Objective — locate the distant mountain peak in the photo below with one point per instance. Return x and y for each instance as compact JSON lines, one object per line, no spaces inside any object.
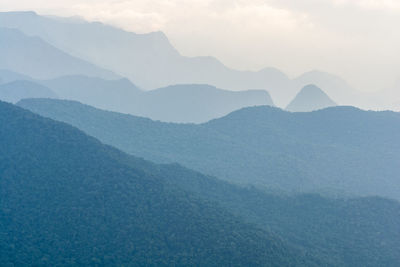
{"x":25,"y":13}
{"x":310,"y":98}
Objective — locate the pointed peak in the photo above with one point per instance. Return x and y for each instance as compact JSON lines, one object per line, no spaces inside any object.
{"x":310,"y":98}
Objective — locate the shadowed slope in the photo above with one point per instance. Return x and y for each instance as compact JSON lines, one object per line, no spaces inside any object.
{"x":66,"y":199}
{"x":340,"y":150}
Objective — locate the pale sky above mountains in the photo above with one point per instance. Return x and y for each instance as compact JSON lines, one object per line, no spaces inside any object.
{"x":358,"y":40}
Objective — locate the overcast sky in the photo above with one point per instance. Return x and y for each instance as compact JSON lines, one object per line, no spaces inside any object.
{"x":356,"y":39}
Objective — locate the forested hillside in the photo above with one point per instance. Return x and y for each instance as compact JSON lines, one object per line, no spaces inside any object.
{"x":66,"y":199}
{"x":339,"y":151}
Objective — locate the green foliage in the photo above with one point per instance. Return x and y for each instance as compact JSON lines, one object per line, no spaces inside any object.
{"x":339,"y":150}
{"x":340,"y":232}
{"x":66,"y":199}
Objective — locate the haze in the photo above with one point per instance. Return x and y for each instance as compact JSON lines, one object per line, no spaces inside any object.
{"x":199,"y":133}
{"x":357,"y":40}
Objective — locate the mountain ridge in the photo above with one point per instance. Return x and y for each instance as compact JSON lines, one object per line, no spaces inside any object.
{"x":31,"y":56}
{"x":263,"y":146}
{"x":16,"y":90}
{"x":90,"y":204}
{"x":184,"y":103}
{"x":154,"y":64}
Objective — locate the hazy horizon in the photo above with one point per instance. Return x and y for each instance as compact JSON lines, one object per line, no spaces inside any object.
{"x":356,"y":40}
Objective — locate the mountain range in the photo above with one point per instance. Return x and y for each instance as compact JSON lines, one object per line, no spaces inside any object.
{"x":31,"y":56}
{"x":114,"y":209}
{"x":150,"y":61}
{"x":179,"y":103}
{"x":116,"y":150}
{"x":339,"y":150}
{"x":69,"y":200}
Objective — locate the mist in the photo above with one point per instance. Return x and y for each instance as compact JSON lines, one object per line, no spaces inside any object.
{"x":356,"y":40}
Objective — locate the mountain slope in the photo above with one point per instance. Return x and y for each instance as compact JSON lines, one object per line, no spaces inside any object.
{"x":7,"y":76}
{"x":343,"y":232}
{"x":178,"y":103}
{"x":17,"y":90}
{"x":333,"y":85}
{"x":34,"y":57}
{"x":115,"y":95}
{"x":340,"y":150}
{"x":310,"y":98}
{"x":196,"y":103}
{"x":112,"y":209}
{"x":66,"y":199}
{"x":147,"y":59}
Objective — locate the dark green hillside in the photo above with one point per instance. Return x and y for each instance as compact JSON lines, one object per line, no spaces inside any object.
{"x":340,"y":232}
{"x":66,"y":199}
{"x":339,"y":150}
{"x":343,"y":232}
{"x":355,"y":232}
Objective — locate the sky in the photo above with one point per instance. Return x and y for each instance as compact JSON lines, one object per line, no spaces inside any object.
{"x":358,"y":40}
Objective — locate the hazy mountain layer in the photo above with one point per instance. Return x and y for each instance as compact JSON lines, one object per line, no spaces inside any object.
{"x":115,"y":95}
{"x":7,"y":76}
{"x":334,"y":86}
{"x":34,"y":57}
{"x":336,"y":150}
{"x":196,"y":103}
{"x":152,"y":62}
{"x":310,"y":98}
{"x":17,"y":90}
{"x":178,"y":103}
{"x":66,"y":199}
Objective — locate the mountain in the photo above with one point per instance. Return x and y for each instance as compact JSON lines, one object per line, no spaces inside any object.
{"x":310,"y":98}
{"x":7,"y":76}
{"x":339,"y":150}
{"x":152,"y":62}
{"x":113,"y":209}
{"x":178,"y":103}
{"x":342,"y":232}
{"x":34,"y":57}
{"x":67,"y":199}
{"x":17,"y":90}
{"x":196,"y":103}
{"x":116,"y":95}
{"x":333,"y":85}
